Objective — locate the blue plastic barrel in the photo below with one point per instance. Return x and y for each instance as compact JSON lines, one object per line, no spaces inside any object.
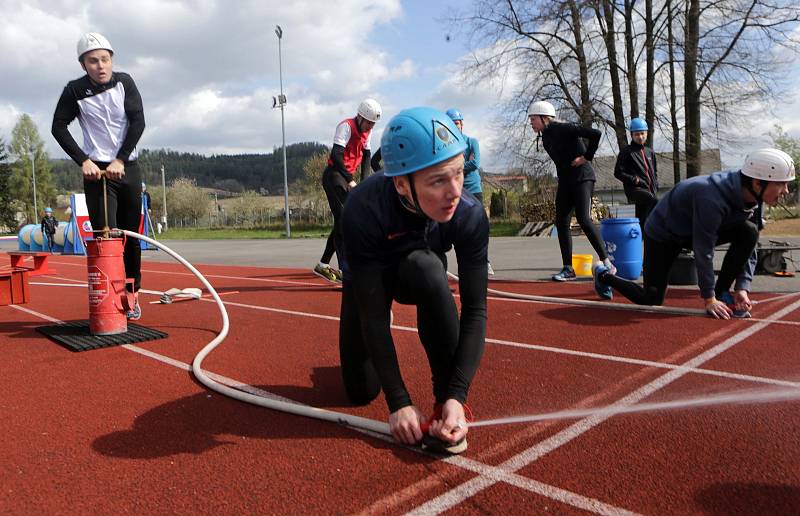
{"x":623,"y":238}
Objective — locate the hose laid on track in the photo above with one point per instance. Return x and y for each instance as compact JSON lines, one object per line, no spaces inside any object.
{"x":283,"y":406}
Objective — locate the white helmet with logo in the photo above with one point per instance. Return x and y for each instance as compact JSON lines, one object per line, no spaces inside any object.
{"x":769,"y":165}
{"x":93,"y":41}
{"x":543,"y":108}
{"x":370,"y":110}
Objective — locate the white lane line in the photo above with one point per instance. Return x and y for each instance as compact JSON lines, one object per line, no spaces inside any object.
{"x":173,"y":362}
{"x":262,"y":280}
{"x":37,"y":314}
{"x":495,"y":474}
{"x":527,"y":298}
{"x":490,"y":475}
{"x":662,"y":310}
{"x":468,"y":489}
{"x":550,"y":349}
{"x":647,"y":363}
{"x":537,"y":347}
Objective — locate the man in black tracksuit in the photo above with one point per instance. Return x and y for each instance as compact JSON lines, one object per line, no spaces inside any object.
{"x":636,"y":168}
{"x":564,"y":143}
{"x":397,"y":227}
{"x":109,"y":109}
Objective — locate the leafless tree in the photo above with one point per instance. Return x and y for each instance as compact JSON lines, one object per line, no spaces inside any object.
{"x":727,"y":53}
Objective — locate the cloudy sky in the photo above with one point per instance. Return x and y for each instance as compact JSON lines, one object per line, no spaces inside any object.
{"x":207,"y":69}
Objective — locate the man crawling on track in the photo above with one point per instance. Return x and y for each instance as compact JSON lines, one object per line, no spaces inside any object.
{"x":398,"y":225}
{"x":699,"y":214}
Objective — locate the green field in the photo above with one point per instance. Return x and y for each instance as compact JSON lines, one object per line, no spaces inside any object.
{"x":279,"y":231}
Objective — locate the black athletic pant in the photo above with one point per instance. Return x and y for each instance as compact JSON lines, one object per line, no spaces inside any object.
{"x":659,"y":257}
{"x":578,"y":198}
{"x":419,"y":279}
{"x":124,"y":212}
{"x":336,"y":189}
{"x":644,"y":200}
{"x":330,"y":248}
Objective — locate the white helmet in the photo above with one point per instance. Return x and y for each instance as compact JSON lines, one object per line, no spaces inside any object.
{"x":370,"y":110}
{"x":542,"y":107}
{"x":93,"y":41}
{"x":769,"y":165}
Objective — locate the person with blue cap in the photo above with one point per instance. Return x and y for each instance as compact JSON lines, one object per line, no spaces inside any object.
{"x":636,"y":168}
{"x":472,"y":163}
{"x":701,"y":213}
{"x":397,"y":226}
{"x":49,"y":225}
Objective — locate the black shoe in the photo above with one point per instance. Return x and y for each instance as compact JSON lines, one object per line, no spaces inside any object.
{"x":434,"y":445}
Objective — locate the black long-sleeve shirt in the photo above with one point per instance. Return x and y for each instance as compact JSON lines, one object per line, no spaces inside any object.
{"x":111,"y":118}
{"x":378,"y":232}
{"x":564,"y":142}
{"x":637,"y":161}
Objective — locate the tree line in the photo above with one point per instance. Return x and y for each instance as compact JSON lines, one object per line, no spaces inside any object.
{"x":25,"y":154}
{"x":237,"y":173}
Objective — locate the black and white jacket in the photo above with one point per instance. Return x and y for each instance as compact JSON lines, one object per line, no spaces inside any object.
{"x":111,"y":117}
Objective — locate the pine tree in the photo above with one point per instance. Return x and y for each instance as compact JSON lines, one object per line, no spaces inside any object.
{"x":26,"y":146}
{"x":7,"y":220}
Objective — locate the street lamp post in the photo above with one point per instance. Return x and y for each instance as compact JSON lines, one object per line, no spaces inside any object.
{"x":281,"y":102}
{"x":33,"y":173}
{"x":164,"y":190}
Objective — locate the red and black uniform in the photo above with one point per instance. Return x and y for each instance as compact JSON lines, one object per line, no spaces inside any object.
{"x":392,"y":254}
{"x":351,"y":149}
{"x":636,"y":168}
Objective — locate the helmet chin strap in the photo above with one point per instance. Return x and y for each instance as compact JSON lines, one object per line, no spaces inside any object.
{"x":414,"y":208}
{"x":759,"y":199}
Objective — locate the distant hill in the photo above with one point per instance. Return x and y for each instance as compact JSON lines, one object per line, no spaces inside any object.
{"x":233,"y":173}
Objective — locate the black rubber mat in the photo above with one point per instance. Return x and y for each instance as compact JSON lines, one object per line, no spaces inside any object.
{"x":75,"y":336}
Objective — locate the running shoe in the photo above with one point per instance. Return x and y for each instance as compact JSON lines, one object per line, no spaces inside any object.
{"x":436,"y":445}
{"x":338,"y":274}
{"x":566,"y":274}
{"x":326,"y":273}
{"x":136,"y":313}
{"x":727,"y":298}
{"x":603,"y":290}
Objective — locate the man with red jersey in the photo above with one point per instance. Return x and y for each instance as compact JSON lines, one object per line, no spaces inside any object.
{"x":351,"y":150}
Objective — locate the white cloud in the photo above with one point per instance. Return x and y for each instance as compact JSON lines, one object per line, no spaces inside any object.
{"x":206,"y":69}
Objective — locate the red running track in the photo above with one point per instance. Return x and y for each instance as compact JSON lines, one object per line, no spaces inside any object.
{"x":116,"y":430}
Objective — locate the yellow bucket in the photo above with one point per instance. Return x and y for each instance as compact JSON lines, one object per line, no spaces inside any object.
{"x":582,"y":263}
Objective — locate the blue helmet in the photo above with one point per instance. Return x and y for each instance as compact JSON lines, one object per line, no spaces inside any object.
{"x":418,"y":138}
{"x":454,"y":114}
{"x":48,"y":210}
{"x":638,"y":125}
